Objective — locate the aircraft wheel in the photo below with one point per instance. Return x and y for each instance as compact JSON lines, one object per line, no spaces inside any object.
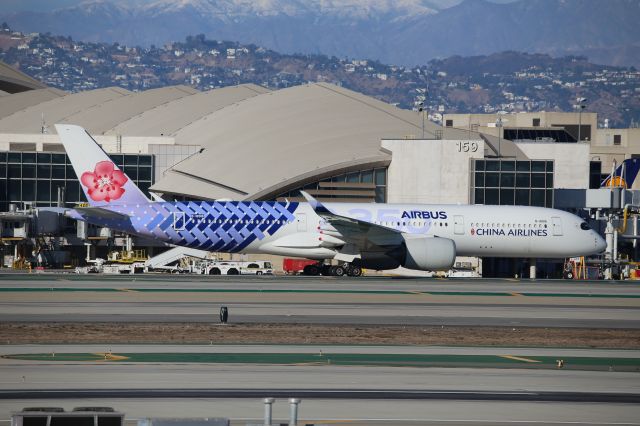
{"x":354,"y":271}
{"x":337,"y":271}
{"x":569,"y":275}
{"x":326,"y":270}
{"x":311,"y":270}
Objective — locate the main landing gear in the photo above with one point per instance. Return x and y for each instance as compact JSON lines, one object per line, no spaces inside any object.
{"x":333,"y":270}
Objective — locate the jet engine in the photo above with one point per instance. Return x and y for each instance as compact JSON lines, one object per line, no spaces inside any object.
{"x":429,"y":253}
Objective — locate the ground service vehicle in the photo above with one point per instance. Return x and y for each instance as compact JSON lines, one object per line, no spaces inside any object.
{"x":296,"y":266}
{"x":258,"y":267}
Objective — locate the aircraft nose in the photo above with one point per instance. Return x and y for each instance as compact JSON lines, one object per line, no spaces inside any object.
{"x":601,"y":244}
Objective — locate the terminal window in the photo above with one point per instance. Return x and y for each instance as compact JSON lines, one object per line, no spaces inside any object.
{"x":595,"y":174}
{"x":356,"y":186}
{"x":513,"y":182}
{"x":34,"y":177}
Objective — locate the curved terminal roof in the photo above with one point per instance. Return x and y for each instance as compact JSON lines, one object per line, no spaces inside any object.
{"x":102,"y":117}
{"x":256,"y":143}
{"x":291,"y":135}
{"x":14,"y":81}
{"x":29,"y":119}
{"x":12,"y":103}
{"x":115,"y":111}
{"x":168,"y":118}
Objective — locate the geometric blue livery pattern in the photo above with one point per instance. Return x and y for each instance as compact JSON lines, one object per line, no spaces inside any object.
{"x":227,"y":226}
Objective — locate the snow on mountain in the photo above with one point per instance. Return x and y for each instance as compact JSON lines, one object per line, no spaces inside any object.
{"x":403,"y":32}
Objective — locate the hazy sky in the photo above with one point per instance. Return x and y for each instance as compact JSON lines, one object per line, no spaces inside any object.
{"x":41,"y":5}
{"x":48,"y":5}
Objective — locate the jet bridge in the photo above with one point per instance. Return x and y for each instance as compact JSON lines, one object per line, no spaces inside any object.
{"x":619,"y":209}
{"x":616,"y":213}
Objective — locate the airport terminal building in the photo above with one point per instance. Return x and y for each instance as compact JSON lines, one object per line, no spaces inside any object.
{"x":249,"y":143}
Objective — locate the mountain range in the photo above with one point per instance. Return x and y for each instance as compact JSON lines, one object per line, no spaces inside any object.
{"x":403,"y":32}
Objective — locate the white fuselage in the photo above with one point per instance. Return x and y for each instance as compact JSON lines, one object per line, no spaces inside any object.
{"x":477,"y":230}
{"x":295,"y":229}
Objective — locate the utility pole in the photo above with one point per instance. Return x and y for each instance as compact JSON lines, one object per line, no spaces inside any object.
{"x":581,"y":104}
{"x":499,"y":123}
{"x":421,"y":110}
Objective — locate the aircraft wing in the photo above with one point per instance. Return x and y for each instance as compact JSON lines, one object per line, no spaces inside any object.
{"x":366,"y":236}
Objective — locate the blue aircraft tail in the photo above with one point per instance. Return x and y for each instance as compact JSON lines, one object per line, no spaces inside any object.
{"x":624,"y":175}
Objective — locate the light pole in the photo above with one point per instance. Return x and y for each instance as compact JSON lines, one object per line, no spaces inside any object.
{"x":421,"y":110}
{"x":499,"y":122}
{"x":580,"y":105}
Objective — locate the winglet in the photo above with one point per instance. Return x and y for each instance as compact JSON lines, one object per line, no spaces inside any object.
{"x":312,"y":201}
{"x":315,"y":204}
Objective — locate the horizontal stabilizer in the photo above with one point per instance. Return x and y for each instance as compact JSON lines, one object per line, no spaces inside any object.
{"x":99,"y":213}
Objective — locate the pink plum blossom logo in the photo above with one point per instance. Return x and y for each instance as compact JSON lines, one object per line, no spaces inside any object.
{"x":105,"y":182}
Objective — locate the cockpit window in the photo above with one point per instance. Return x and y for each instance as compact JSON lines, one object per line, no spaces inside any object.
{"x":584,"y":226}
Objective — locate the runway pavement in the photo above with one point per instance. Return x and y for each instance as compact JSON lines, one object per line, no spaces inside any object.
{"x":324,"y":313}
{"x":319,"y":300}
{"x":496,"y":393}
{"x":329,"y":391}
{"x":362,"y":412}
{"x":70,"y":280}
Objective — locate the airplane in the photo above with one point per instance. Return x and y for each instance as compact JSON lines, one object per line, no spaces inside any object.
{"x":374,"y":236}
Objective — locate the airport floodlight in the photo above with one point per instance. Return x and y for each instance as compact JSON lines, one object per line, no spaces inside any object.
{"x":581,"y":104}
{"x":421,"y":111}
{"x":499,"y":124}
